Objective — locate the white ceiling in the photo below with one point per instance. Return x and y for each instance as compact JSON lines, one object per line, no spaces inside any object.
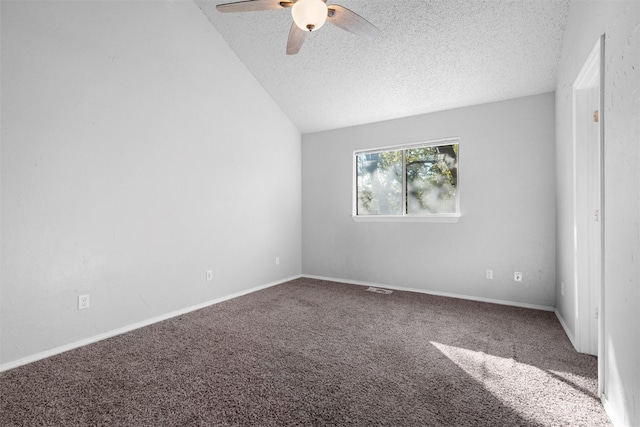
{"x":431,"y":55}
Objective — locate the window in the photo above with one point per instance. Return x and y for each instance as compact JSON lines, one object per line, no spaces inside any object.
{"x":408,"y":181}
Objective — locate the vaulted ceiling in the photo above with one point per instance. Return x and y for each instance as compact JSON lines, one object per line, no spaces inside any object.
{"x":430,"y":55}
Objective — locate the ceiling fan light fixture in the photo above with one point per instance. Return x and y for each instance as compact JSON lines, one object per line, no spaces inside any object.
{"x":309,"y":15}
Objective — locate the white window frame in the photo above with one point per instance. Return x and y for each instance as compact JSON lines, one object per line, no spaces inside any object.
{"x":430,"y":217}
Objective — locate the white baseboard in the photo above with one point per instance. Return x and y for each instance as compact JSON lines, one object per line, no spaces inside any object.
{"x":614,"y":416}
{"x":133,"y":326}
{"x":567,"y":331}
{"x":437,"y":293}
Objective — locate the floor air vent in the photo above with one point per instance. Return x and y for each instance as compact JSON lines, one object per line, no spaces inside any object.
{"x":379,"y":290}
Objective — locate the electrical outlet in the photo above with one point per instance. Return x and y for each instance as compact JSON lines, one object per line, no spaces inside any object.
{"x":489,"y":273}
{"x":562,"y":288}
{"x":277,"y":260}
{"x":83,"y":301}
{"x":209,"y":275}
{"x":517,"y":276}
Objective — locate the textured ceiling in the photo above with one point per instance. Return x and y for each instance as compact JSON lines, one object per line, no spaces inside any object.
{"x":430,"y":55}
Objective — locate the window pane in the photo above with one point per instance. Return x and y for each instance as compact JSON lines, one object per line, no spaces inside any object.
{"x":379,"y":183}
{"x":432,"y":179}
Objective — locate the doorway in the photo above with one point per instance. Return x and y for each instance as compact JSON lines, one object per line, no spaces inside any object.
{"x":588,"y":206}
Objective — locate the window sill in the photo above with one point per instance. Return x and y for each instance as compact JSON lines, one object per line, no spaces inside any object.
{"x":407,"y":218}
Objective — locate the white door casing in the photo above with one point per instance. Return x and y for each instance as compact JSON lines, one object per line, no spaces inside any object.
{"x":588,"y":206}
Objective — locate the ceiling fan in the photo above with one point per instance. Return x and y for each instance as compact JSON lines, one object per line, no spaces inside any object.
{"x":308,"y":15}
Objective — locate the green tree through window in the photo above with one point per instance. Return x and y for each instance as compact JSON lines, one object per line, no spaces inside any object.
{"x":419,"y":180}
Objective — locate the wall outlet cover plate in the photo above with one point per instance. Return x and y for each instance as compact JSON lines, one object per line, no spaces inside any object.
{"x":83,"y":301}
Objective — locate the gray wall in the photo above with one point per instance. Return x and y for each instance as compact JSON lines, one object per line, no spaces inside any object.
{"x":619,"y":21}
{"x":507,"y":178}
{"x":137,"y":153}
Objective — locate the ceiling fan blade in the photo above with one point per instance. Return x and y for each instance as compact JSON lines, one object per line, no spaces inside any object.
{"x":350,"y":21}
{"x":296,"y":38}
{"x":253,"y":5}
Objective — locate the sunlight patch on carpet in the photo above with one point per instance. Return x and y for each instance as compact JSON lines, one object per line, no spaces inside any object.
{"x":527,"y":389}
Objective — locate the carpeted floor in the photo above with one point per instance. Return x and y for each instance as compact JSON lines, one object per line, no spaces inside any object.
{"x":312,"y":352}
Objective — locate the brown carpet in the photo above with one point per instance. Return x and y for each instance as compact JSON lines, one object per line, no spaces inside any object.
{"x":311,"y":352}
